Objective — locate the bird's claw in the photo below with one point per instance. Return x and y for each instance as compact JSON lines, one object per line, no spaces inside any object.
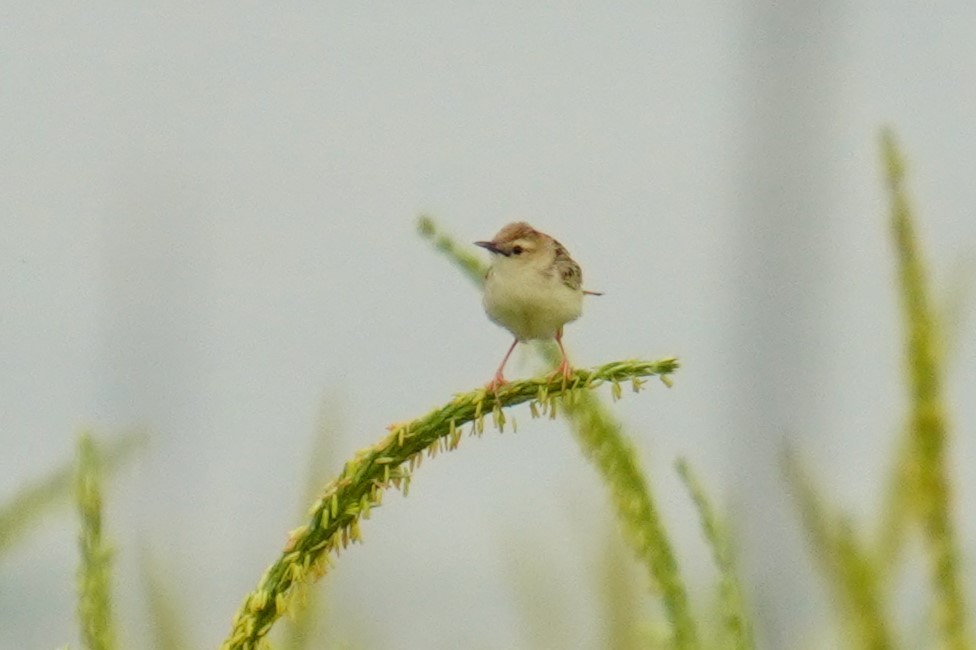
{"x":564,"y":369}
{"x":497,"y":382}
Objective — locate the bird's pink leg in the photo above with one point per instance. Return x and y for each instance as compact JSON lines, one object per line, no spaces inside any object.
{"x":564,"y":368}
{"x":499,"y":379}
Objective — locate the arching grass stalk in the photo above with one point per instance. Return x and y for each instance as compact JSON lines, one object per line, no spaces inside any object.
{"x":94,"y":604}
{"x":333,"y":520}
{"x":602,"y":440}
{"x":928,"y":428}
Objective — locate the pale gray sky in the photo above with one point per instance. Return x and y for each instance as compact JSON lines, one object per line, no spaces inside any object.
{"x":208,"y":226}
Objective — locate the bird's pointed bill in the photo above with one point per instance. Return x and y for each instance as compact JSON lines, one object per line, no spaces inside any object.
{"x":491,"y":247}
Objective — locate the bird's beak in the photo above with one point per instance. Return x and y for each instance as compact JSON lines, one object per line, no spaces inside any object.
{"x":490,"y":246}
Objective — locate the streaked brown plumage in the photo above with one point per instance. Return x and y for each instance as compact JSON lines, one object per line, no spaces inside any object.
{"x":532,"y":288}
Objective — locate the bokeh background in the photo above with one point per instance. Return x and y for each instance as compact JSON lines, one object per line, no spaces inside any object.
{"x":208,"y":232}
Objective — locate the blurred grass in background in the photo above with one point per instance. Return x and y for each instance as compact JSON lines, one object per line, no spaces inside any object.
{"x":857,"y":559}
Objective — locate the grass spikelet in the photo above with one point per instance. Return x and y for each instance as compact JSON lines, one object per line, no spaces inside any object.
{"x":616,"y":391}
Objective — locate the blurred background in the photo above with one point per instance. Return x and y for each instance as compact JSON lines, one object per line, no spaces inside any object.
{"x":208,"y":232}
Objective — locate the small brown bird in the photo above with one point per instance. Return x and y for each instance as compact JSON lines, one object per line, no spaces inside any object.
{"x":533,"y":288}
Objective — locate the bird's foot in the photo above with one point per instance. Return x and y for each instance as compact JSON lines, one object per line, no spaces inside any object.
{"x":497,"y":382}
{"x":564,"y":370}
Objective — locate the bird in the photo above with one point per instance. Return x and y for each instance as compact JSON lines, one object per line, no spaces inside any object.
{"x":532,"y":288}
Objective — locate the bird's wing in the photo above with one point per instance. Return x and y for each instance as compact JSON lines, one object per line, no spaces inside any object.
{"x":569,"y":271}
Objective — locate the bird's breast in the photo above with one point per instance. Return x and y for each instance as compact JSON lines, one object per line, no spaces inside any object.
{"x":529,"y":303}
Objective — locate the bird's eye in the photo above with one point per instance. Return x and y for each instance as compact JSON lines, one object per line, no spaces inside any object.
{"x":517,"y":250}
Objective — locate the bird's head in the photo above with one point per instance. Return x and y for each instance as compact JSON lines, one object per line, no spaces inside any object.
{"x":520,"y":244}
